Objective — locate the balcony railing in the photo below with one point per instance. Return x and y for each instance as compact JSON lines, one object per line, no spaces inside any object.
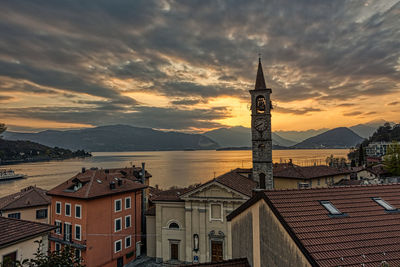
{"x":73,"y":243}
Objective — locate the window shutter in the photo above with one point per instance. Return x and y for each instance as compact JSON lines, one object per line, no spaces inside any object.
{"x":65,"y":231}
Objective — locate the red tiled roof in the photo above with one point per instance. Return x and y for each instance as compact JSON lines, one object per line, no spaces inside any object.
{"x":300,"y":172}
{"x":96,"y":183}
{"x":366,"y":235}
{"x":28,"y":197}
{"x":171,"y":194}
{"x":237,"y":180}
{"x":227,"y":263}
{"x":13,"y":230}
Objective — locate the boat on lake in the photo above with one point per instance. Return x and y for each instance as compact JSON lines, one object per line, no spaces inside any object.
{"x":10,"y":175}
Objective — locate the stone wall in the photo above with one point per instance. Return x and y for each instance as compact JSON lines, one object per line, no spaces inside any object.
{"x":277,"y":247}
{"x":242,"y":237}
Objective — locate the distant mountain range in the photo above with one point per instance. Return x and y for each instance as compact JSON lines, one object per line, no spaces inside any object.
{"x":240,"y":136}
{"x":341,"y":137}
{"x":117,"y":138}
{"x":129,"y":138}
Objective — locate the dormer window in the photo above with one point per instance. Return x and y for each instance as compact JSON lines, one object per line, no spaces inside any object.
{"x":384,"y":204}
{"x":333,"y":211}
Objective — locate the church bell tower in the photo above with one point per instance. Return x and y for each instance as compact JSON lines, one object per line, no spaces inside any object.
{"x":261,"y":132}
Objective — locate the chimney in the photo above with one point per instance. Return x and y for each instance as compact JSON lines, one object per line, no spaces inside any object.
{"x":143,"y":172}
{"x":112,"y":185}
{"x":83,"y":169}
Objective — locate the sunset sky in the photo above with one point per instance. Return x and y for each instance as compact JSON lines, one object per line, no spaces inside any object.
{"x":188,"y":65}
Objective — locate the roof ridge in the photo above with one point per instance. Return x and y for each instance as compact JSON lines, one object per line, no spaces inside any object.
{"x":90,"y":183}
{"x":329,"y":187}
{"x":40,"y":194}
{"x":20,"y":195}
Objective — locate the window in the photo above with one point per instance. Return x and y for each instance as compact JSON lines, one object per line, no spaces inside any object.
{"x":16,"y":215}
{"x":127,"y":221}
{"x":58,"y":247}
{"x":216,"y":212}
{"x":41,"y":214}
{"x":118,"y":205}
{"x":127,"y":202}
{"x":10,"y":258}
{"x":118,"y":224}
{"x":331,"y":208}
{"x":117,"y":246}
{"x":384,"y":204}
{"x":78,"y":211}
{"x":58,"y":229}
{"x":67,"y":209}
{"x":77,"y":254}
{"x":78,"y":229}
{"x":67,"y":231}
{"x":58,"y":207}
{"x":173,"y":225}
{"x":128,"y":241}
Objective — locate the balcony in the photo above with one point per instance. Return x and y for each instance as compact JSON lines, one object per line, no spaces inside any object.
{"x":73,"y":243}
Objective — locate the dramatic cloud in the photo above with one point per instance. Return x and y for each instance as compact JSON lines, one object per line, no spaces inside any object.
{"x":296,"y":111}
{"x":170,"y":64}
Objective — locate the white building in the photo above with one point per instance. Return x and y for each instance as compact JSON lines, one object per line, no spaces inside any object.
{"x":377,"y":149}
{"x":190,"y":225}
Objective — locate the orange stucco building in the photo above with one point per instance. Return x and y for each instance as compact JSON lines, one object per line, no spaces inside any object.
{"x":99,"y":213}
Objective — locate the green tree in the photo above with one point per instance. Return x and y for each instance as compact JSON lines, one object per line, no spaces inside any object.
{"x":63,"y":258}
{"x":391,"y":160}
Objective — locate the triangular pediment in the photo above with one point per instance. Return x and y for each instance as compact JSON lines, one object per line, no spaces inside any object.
{"x":213,"y":190}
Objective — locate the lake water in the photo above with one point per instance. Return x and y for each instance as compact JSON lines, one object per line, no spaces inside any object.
{"x":168,"y":168}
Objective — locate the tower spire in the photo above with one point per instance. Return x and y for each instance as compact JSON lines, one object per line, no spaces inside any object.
{"x":260,"y":81}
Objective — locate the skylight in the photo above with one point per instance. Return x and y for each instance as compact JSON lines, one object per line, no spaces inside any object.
{"x":384,"y":204}
{"x":331,"y":208}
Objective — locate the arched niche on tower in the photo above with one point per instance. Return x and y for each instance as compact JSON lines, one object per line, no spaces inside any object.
{"x":261,"y":104}
{"x":262,"y":181}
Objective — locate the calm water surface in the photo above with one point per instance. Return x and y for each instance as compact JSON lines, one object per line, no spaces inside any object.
{"x":167,"y":167}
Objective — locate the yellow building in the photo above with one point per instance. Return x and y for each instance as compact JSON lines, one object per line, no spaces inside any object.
{"x":290,"y":176}
{"x":17,"y":239}
{"x":31,"y":204}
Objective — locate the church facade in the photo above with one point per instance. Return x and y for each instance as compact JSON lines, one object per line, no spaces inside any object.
{"x":189,"y":225}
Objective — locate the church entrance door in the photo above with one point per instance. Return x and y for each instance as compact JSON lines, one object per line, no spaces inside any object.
{"x":216,"y":251}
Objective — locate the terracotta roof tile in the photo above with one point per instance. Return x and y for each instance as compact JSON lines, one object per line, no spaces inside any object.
{"x":238,"y":180}
{"x":96,"y":183}
{"x":367,"y":229}
{"x":13,"y":230}
{"x":227,"y":263}
{"x":28,"y":197}
{"x":307,"y":172}
{"x":171,"y":194}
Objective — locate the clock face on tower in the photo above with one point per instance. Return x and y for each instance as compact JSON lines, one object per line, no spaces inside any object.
{"x":260,"y":124}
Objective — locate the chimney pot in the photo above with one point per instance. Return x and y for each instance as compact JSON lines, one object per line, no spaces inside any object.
{"x":83,"y":169}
